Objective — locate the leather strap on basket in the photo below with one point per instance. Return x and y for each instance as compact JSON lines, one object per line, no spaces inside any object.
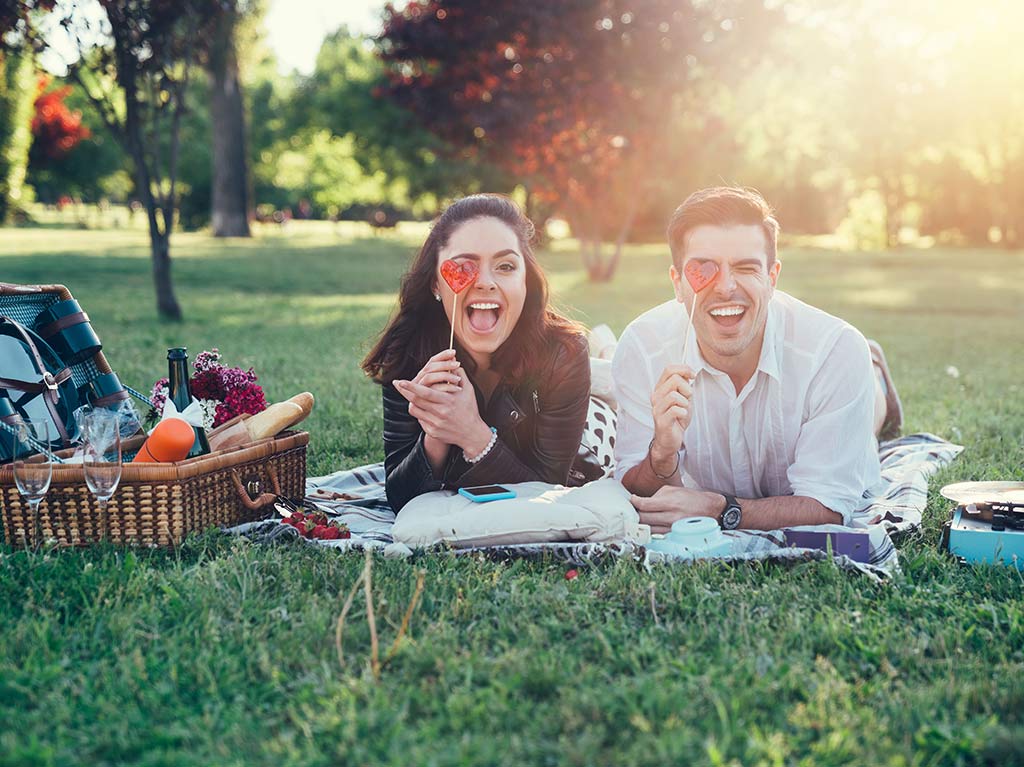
{"x":111,"y":399}
{"x":261,"y":500}
{"x":62,"y":324}
{"x":49,"y":386}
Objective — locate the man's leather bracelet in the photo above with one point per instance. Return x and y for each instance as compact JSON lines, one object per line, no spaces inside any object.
{"x":650,"y":462}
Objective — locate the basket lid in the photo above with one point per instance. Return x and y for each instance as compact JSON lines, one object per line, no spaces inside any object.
{"x":17,"y":362}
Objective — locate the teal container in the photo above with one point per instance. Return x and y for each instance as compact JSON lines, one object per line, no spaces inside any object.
{"x":103,"y":391}
{"x":66,"y":328}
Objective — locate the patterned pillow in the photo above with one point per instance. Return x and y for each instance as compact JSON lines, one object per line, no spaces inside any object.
{"x":596,"y":458}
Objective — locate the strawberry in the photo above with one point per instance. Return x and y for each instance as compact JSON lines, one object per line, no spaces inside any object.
{"x":319,"y":531}
{"x":571,"y":574}
{"x":330,"y":533}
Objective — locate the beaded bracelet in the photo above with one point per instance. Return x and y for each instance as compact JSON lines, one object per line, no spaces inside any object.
{"x":485,"y":451}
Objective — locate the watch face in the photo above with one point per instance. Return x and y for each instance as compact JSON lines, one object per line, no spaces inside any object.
{"x":731,"y":518}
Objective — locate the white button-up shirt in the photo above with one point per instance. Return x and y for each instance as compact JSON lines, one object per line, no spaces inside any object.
{"x":802,"y":425}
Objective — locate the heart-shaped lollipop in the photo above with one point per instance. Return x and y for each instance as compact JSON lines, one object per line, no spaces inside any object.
{"x":700,"y":274}
{"x":459,"y":275}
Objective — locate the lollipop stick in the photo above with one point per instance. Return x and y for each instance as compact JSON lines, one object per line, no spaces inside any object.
{"x":689,"y":325}
{"x":455,"y":311}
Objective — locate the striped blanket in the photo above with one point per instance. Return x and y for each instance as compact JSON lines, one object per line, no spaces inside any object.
{"x":356,"y":497}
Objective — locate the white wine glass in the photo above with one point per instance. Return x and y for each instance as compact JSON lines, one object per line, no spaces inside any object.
{"x":33,"y":471}
{"x":101,"y":458}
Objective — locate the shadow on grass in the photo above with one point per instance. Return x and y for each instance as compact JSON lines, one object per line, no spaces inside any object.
{"x":363,"y":266}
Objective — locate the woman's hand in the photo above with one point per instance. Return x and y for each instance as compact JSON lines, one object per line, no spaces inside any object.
{"x":442,"y":372}
{"x":448,"y":414}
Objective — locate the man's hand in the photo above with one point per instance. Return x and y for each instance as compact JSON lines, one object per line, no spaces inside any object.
{"x":670,"y":407}
{"x":673,"y":503}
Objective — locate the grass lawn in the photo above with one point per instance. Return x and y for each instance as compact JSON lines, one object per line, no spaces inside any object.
{"x":222,"y":652}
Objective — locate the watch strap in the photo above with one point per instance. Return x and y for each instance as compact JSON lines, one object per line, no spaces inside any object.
{"x":730,"y":503}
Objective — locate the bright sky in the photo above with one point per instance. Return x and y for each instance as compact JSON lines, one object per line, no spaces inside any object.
{"x":295,"y":28}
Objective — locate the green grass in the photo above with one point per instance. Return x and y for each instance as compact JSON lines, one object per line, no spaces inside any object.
{"x":222,"y":652}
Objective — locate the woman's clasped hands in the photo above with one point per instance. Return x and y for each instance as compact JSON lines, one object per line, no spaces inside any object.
{"x":443,"y":400}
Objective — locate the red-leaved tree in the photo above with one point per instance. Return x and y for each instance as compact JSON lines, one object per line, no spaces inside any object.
{"x":56,"y":130}
{"x":582,"y":100}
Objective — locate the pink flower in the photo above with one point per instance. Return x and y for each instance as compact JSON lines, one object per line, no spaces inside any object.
{"x":233,"y":391}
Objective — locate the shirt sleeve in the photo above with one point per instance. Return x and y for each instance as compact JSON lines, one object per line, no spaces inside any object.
{"x":836,"y":456}
{"x":631,"y":376}
{"x":406,"y":468}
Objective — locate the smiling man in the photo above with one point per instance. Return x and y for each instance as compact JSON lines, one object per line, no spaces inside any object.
{"x":770,"y":418}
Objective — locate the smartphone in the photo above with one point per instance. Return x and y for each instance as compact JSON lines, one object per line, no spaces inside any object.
{"x":484,"y":493}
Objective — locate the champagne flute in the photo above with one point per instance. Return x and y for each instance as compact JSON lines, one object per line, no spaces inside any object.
{"x":101,"y":459}
{"x":32,"y":473}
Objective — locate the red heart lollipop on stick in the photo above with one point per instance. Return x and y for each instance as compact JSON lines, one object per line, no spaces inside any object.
{"x":459,"y":276}
{"x":699,"y":274}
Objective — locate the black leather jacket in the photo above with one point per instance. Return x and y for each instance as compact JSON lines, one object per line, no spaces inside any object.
{"x":539,"y":423}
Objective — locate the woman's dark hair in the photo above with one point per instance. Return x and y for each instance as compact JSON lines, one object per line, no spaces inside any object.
{"x":419,"y":329}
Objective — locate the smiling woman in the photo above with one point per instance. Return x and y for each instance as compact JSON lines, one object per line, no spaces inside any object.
{"x":509,"y":401}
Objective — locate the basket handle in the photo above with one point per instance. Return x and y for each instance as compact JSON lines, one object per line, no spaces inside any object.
{"x":262,"y":499}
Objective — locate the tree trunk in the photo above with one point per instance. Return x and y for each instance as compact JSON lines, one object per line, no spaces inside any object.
{"x":17,"y":92}
{"x":166,"y":303}
{"x":230,"y":214}
{"x":620,"y":241}
{"x":159,"y":239}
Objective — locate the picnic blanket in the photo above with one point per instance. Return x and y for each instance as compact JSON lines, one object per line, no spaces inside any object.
{"x":895,"y":505}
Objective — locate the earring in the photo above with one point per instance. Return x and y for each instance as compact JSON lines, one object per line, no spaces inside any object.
{"x":437,"y":296}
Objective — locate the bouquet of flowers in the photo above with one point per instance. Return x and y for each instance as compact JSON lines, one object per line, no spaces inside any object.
{"x":222,"y":392}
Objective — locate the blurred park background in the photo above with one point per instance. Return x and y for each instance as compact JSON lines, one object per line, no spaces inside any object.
{"x":868,"y":124}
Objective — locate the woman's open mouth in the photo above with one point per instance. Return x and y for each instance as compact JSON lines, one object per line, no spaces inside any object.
{"x":483,"y":316}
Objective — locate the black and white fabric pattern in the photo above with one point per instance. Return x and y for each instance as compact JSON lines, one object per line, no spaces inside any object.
{"x":895,"y":506}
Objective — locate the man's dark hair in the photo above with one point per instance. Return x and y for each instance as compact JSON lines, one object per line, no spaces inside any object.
{"x":722,"y":206}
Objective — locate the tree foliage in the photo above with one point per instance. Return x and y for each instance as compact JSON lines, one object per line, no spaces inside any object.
{"x":411,"y":167}
{"x":56,"y":129}
{"x":16,"y":76}
{"x":580,"y":99}
{"x":150,"y":48}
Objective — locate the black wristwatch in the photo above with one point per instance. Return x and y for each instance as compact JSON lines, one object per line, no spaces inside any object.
{"x":731,"y":515}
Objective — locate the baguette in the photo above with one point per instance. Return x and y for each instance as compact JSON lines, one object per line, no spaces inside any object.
{"x":305,"y":401}
{"x":274,"y":420}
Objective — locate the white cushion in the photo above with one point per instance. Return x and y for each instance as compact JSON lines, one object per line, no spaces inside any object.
{"x":540,"y":513}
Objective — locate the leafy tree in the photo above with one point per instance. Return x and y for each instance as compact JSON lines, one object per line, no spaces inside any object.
{"x":95,"y":168}
{"x":150,"y":50}
{"x":412,"y":166}
{"x":580,"y":98}
{"x":16,"y":92}
{"x":56,"y":129}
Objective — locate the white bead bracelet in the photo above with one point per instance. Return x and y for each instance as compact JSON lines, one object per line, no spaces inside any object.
{"x":485,"y":451}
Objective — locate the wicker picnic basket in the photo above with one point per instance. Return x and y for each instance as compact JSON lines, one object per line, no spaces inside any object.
{"x":156,"y":504}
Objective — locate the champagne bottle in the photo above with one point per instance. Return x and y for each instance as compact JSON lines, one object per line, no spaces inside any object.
{"x":181,"y":395}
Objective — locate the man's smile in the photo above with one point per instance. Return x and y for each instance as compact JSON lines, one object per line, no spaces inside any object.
{"x":729,"y":315}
